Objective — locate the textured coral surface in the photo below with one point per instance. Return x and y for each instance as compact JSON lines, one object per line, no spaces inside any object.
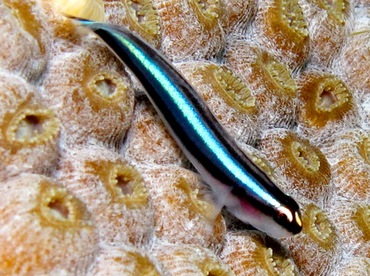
{"x":92,"y":183}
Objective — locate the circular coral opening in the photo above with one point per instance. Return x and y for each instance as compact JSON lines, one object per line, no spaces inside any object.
{"x":59,"y":209}
{"x":124,"y":184}
{"x":32,"y":126}
{"x":307,"y":158}
{"x":106,"y":87}
{"x":278,"y":264}
{"x":29,"y":127}
{"x":327,"y":98}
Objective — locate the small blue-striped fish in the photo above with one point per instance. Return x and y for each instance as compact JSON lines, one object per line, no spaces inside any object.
{"x":236,"y":181}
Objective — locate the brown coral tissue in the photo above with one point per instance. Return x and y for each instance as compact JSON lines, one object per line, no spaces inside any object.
{"x":252,"y":253}
{"x":94,"y":99}
{"x":269,"y":80}
{"x":183,"y":210}
{"x":350,"y":163}
{"x":121,"y":208}
{"x":303,"y":165}
{"x":283,"y":29}
{"x":44,"y":228}
{"x":317,"y":244}
{"x":29,"y":134}
{"x":327,"y":106}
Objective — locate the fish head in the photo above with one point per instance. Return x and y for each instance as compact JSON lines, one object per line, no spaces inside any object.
{"x":288,"y":218}
{"x":280,"y":221}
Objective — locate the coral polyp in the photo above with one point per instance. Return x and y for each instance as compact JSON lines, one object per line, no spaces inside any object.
{"x":53,"y":228}
{"x":284,"y":30}
{"x":138,"y":15}
{"x":121,"y":198}
{"x":318,"y":227}
{"x":349,"y":158}
{"x":331,"y":95}
{"x":189,"y":259}
{"x":227,"y":96}
{"x":269,"y":80}
{"x":32,"y":126}
{"x":327,"y":104}
{"x":303,"y":165}
{"x":317,"y":243}
{"x":126,"y":184}
{"x":252,"y":253}
{"x":104,"y":89}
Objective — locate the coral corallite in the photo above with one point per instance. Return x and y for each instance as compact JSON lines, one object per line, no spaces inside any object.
{"x":94,"y":94}
{"x":43,"y":228}
{"x":183,"y":210}
{"x":252,"y":253}
{"x":327,"y":105}
{"x":121,"y":207}
{"x":303,"y":165}
{"x":190,"y":260}
{"x":29,"y":133}
{"x":317,"y":244}
{"x":282,"y":27}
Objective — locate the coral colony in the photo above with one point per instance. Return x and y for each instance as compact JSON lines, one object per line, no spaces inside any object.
{"x":92,"y":182}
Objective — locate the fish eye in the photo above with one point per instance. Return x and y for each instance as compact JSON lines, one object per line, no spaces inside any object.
{"x":288,"y":219}
{"x":284,"y":216}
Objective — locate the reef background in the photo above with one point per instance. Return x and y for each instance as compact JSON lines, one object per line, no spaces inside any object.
{"x":93,"y":184}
